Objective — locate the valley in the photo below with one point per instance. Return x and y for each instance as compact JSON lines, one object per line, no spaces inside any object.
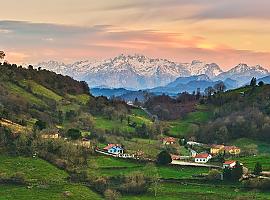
{"x":51,"y":127}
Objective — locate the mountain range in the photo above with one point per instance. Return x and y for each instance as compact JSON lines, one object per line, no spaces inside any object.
{"x":138,"y":72}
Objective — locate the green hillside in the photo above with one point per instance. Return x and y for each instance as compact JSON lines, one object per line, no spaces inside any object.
{"x":43,"y":179}
{"x":37,"y":104}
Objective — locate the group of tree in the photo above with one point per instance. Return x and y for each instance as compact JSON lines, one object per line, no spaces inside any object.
{"x":233,"y":174}
{"x":237,"y":114}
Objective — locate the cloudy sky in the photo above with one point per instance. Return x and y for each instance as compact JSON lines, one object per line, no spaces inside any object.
{"x":224,"y":31}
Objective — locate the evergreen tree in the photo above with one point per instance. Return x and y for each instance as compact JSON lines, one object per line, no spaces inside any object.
{"x":253,"y":82}
{"x":257,"y":168}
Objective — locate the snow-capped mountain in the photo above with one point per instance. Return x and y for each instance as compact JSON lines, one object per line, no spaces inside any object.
{"x":243,"y":73}
{"x":140,"y":72}
{"x":197,"y":68}
{"x":130,"y":71}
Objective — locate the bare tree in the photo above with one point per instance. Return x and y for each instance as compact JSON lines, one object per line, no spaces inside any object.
{"x":2,"y":54}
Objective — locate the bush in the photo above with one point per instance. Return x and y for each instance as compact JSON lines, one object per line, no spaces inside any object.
{"x":110,"y":194}
{"x":74,"y":134}
{"x":18,"y":178}
{"x":135,"y":183}
{"x":262,"y":184}
{"x":214,"y":175}
{"x":164,"y":158}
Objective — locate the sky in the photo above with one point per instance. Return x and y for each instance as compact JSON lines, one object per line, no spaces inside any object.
{"x":227,"y":32}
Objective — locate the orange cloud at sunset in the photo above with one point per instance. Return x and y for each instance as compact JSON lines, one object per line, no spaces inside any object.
{"x":225,"y":32}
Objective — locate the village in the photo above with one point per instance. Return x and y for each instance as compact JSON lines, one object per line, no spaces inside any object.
{"x":212,"y":156}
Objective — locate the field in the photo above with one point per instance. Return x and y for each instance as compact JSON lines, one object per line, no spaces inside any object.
{"x":177,"y":191}
{"x":183,"y":126}
{"x":45,"y":181}
{"x":250,"y":161}
{"x":109,"y":166}
{"x":24,"y":94}
{"x":137,"y":115}
{"x":262,"y":147}
{"x":41,"y":90}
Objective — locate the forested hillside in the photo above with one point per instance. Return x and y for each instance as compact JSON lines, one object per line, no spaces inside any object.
{"x":244,"y":112}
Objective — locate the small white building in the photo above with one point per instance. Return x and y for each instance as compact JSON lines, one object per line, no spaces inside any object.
{"x":191,"y":143}
{"x":202,"y":158}
{"x":114,"y":149}
{"x":229,"y":164}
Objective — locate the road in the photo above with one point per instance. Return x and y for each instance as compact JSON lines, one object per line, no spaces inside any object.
{"x":182,"y":163}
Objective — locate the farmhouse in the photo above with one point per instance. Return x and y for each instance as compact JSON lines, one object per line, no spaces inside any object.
{"x":232,"y":150}
{"x":202,"y":158}
{"x":85,"y":143}
{"x":216,"y":149}
{"x":50,"y":134}
{"x":114,"y":149}
{"x":229,"y":164}
{"x":175,"y":157}
{"x":168,"y":140}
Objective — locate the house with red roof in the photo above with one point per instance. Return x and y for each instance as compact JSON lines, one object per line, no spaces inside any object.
{"x":114,"y":149}
{"x":202,"y":157}
{"x":169,"y":140}
{"x":229,"y":164}
{"x":232,"y":150}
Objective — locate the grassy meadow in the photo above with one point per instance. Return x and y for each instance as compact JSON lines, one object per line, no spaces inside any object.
{"x":44,"y":181}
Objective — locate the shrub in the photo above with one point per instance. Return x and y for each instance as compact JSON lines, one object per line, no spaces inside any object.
{"x":135,"y":183}
{"x":74,"y":134}
{"x":110,"y":194}
{"x":18,"y":178}
{"x":262,"y":184}
{"x":213,"y":175}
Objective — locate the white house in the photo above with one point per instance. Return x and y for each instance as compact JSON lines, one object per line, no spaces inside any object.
{"x":191,"y":143}
{"x":229,"y":164}
{"x":202,"y":158}
{"x":114,"y":149}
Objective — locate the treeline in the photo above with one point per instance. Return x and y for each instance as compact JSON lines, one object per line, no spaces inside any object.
{"x":168,"y":108}
{"x":58,"y":83}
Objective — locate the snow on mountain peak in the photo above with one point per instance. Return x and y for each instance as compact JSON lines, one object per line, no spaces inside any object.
{"x":139,"y":72}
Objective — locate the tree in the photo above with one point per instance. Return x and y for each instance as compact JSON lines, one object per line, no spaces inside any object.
{"x":40,"y":125}
{"x":209,"y":91}
{"x":227,"y":173}
{"x":261,"y":83}
{"x":2,"y":55}
{"x":237,"y":171}
{"x":257,"y":168}
{"x":220,"y":87}
{"x":164,"y":158}
{"x":74,"y":134}
{"x":253,"y":82}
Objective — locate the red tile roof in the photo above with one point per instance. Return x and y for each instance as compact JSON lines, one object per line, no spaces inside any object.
{"x":110,"y":146}
{"x":228,"y":148}
{"x":202,"y":155}
{"x":228,"y":162}
{"x":169,"y":139}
